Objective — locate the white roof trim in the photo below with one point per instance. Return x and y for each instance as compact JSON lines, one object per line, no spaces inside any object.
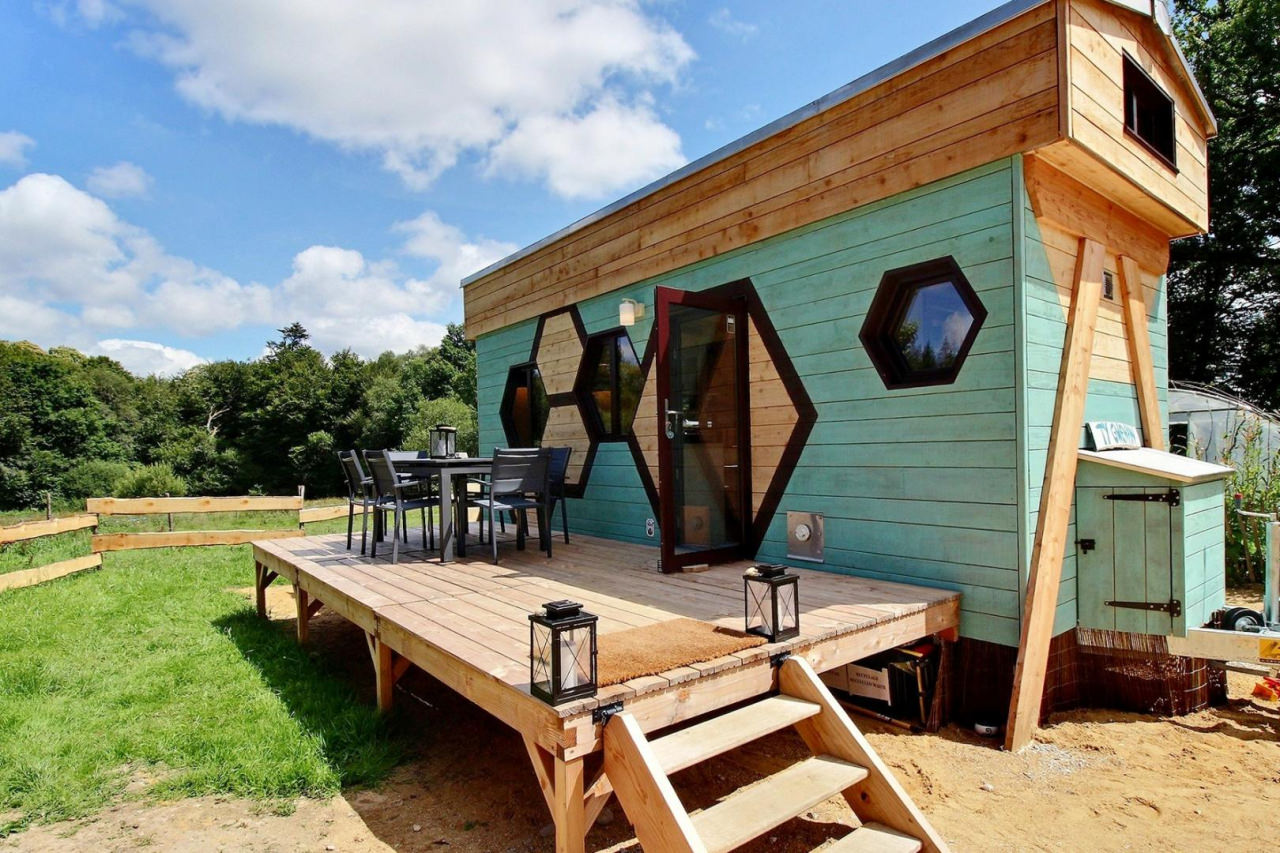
{"x":1158,"y":463}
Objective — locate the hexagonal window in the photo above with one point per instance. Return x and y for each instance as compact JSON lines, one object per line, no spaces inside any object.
{"x":609,"y":384}
{"x":524,"y":406}
{"x":922,"y":323}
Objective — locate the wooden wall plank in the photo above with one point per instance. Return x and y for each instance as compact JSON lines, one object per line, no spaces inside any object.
{"x":183,"y":538}
{"x":31,"y":577}
{"x":1055,"y":501}
{"x":46,"y":527}
{"x":153,"y":506}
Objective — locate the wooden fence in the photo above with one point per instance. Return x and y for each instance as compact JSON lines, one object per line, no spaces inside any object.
{"x":100,"y":543}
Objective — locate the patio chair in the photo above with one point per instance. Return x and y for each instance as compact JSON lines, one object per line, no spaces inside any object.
{"x":399,"y":495}
{"x":359,"y":492}
{"x":518,"y":482}
{"x":557,"y":468}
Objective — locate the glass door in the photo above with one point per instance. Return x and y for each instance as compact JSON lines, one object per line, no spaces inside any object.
{"x":704,"y":454}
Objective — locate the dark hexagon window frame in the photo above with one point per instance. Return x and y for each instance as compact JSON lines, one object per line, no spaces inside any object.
{"x":583,"y":386}
{"x":514,"y":381}
{"x":889,"y":308}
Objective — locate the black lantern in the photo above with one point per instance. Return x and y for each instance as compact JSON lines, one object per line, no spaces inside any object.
{"x":562,"y":652}
{"x":772,"y":602}
{"x":444,"y":441}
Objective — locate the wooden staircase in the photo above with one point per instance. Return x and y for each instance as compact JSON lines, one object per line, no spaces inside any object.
{"x":843,"y":762}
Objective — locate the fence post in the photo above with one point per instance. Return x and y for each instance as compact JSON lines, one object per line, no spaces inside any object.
{"x":302,"y":495}
{"x":48,"y":506}
{"x":170,"y":515}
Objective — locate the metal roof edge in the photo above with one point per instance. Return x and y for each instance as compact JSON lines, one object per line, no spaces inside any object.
{"x":983,"y":23}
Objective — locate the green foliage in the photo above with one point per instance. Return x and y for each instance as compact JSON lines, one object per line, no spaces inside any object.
{"x":92,"y":478}
{"x":450,"y":412}
{"x":1224,"y":287}
{"x":150,"y":481}
{"x":1256,"y":479}
{"x":230,"y":427}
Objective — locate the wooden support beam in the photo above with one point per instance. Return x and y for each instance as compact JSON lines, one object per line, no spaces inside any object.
{"x":322,"y":513}
{"x":544,"y":768}
{"x":45,"y":527}
{"x":184,"y":538}
{"x":262,"y":578}
{"x":567,"y":808}
{"x":304,"y":612}
{"x":1055,"y":498}
{"x":1140,"y":361}
{"x":154,"y":506}
{"x":383,"y":673}
{"x":40,"y":574}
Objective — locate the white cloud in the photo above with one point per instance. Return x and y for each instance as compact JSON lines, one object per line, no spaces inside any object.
{"x":722,"y":19}
{"x":612,"y":148}
{"x":13,"y":148}
{"x":147,"y":358}
{"x":119,"y":181}
{"x":420,"y":84}
{"x":72,"y":272}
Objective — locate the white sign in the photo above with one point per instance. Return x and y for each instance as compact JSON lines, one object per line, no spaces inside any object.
{"x":872,"y":683}
{"x":1113,"y":435}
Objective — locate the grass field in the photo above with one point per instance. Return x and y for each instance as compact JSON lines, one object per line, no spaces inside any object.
{"x":154,"y":665}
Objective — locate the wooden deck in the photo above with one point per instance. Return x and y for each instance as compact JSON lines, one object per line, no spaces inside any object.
{"x":466,"y":623}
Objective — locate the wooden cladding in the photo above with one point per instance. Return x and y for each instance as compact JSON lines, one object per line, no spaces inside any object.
{"x":153,"y":506}
{"x":988,"y":98}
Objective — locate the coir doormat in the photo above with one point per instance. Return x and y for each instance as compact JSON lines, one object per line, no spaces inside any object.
{"x":651,"y":649}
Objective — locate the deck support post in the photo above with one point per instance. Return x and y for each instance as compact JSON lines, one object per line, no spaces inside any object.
{"x":384,"y":671}
{"x":1141,"y":365}
{"x":1056,"y":498}
{"x":568,"y":809}
{"x":307,"y":607}
{"x":262,"y":578}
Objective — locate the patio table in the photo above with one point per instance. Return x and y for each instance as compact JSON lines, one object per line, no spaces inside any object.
{"x":422,"y":465}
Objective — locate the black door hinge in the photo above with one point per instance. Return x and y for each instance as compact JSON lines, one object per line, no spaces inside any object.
{"x":602,"y":713}
{"x":1173,"y":606}
{"x":1173,"y":497}
{"x":1087,"y":545}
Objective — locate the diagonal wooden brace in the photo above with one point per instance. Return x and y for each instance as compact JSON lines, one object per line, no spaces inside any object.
{"x":262,"y":578}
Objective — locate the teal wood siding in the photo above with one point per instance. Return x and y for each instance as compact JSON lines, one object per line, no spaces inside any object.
{"x":494,"y":354}
{"x":917,"y":485}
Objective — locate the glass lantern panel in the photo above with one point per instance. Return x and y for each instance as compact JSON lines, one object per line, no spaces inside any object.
{"x":575,"y":657}
{"x":759,"y":608}
{"x":786,"y":606}
{"x":541,"y":672}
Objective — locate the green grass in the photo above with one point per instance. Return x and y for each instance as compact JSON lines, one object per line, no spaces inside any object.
{"x":153,"y":663}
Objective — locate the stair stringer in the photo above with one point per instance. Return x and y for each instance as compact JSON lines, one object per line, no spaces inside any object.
{"x":877,"y":799}
{"x":645,"y":791}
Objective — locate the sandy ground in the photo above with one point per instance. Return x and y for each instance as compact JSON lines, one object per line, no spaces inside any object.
{"x":1093,"y":780}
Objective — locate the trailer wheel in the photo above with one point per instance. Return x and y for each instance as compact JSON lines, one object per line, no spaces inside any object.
{"x":1241,"y":619}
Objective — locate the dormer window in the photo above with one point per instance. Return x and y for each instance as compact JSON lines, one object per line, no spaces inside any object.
{"x":1148,"y":113}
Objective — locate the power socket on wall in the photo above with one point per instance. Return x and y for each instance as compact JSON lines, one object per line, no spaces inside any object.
{"x":805,"y":536}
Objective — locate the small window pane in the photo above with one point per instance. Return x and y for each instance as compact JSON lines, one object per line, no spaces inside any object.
{"x":525,"y":406}
{"x":936,"y":322}
{"x":613,"y":384}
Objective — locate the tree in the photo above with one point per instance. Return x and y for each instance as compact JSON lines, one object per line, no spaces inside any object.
{"x":1224,"y":287}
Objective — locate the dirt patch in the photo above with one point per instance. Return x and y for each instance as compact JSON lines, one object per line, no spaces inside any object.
{"x":1093,"y":780}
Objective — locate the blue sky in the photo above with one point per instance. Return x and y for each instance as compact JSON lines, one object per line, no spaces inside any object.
{"x":178,"y":178}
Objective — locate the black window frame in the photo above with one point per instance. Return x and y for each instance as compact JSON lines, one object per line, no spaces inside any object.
{"x":518,"y":376}
{"x":1150,"y":118}
{"x":888,"y":309}
{"x":584,"y":384}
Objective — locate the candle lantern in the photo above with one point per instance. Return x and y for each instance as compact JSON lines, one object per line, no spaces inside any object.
{"x":772,"y":602}
{"x":562,"y":652}
{"x":444,"y":441}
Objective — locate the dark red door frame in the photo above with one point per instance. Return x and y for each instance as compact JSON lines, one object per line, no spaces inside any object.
{"x":734,"y":304}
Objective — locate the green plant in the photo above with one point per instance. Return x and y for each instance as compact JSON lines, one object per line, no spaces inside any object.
{"x":150,"y":481}
{"x":446,"y":410}
{"x":93,"y":478}
{"x":1256,"y":479}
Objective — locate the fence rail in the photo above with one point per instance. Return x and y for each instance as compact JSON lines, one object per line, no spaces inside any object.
{"x":101,"y":543}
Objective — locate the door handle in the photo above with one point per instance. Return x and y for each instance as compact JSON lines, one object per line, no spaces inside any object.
{"x":673,"y":419}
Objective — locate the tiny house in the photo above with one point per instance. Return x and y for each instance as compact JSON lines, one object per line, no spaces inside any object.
{"x":868,"y":336}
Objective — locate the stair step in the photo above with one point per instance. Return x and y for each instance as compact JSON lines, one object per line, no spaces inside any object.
{"x":720,"y":734}
{"x":874,"y":838}
{"x":754,"y":810}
